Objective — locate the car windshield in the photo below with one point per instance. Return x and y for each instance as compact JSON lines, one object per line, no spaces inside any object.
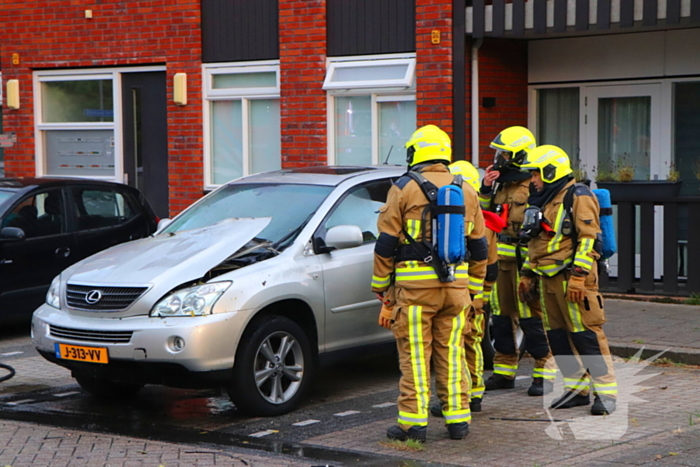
{"x":289,"y":206}
{"x":5,"y":195}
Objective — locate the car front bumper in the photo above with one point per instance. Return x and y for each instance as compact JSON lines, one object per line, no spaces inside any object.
{"x":148,"y":356}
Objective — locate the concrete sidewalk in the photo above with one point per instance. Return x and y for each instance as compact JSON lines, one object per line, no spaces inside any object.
{"x":655,"y":327}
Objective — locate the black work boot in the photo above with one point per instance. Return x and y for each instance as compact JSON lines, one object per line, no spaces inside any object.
{"x":436,"y":410}
{"x":603,"y":405}
{"x":497,"y":381}
{"x":570,"y":399}
{"x":458,"y":430}
{"x":540,"y":387}
{"x":416,"y":433}
{"x":475,"y":404}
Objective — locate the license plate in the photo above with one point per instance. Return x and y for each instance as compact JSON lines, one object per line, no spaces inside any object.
{"x":82,"y":353}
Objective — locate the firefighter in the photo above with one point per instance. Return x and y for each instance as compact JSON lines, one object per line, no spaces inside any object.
{"x":505,"y":189}
{"x":563,"y":254}
{"x":430,"y":312}
{"x":472,"y":340}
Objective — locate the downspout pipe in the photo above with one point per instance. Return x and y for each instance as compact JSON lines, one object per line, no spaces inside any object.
{"x":459,"y":85}
{"x":475,"y":100}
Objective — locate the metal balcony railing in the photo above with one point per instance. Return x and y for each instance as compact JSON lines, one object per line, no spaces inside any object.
{"x":681,"y":258}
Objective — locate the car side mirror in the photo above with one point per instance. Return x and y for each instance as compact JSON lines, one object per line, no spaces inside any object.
{"x":12,"y":233}
{"x":163,"y":223}
{"x":341,"y":237}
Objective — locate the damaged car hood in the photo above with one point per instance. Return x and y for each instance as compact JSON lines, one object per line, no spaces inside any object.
{"x":168,"y":259}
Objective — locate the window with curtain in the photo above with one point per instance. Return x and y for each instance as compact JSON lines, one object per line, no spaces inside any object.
{"x":373,"y":109}
{"x":77,"y":124}
{"x":362,"y":140}
{"x":624,"y":134}
{"x":686,"y":144}
{"x":244,"y":121}
{"x":558,"y":120}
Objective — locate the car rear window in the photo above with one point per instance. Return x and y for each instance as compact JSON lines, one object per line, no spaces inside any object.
{"x":289,"y":206}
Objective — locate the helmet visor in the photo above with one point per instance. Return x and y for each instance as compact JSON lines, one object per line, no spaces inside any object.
{"x":501,"y":158}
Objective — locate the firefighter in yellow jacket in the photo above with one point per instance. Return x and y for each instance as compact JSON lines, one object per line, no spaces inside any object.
{"x":473,"y":338}
{"x":505,"y":190}
{"x":429,"y":317}
{"x":563,"y":223}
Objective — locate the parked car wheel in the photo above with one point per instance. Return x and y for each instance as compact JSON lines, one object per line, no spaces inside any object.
{"x":273,"y":368}
{"x":487,"y":343}
{"x":105,"y":389}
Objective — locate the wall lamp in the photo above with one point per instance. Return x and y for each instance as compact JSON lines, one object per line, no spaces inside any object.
{"x":180,"y":88}
{"x":13,"y":94}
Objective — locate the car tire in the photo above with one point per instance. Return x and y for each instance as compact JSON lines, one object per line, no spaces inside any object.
{"x":105,"y":389}
{"x":487,"y":343}
{"x":273,"y":368}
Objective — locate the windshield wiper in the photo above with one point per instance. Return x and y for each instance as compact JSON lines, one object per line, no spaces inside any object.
{"x":262,"y":243}
{"x":291,"y":235}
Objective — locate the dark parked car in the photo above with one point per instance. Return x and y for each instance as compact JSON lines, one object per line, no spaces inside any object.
{"x":47,"y":224}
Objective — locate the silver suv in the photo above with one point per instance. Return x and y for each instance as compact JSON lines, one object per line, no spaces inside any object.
{"x":250,"y":288}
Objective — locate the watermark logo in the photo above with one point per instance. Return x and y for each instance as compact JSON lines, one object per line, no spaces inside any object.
{"x":605,"y":427}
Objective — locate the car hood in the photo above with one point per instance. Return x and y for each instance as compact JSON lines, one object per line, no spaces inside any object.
{"x":168,"y":260}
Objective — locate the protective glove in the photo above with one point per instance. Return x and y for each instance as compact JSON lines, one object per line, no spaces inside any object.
{"x":527,"y":289}
{"x":385,"y":317}
{"x":478,"y":303}
{"x":576,"y":290}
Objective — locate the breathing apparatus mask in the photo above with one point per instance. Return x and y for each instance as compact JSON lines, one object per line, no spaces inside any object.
{"x":532,"y":224}
{"x":506,"y":160}
{"x":501,"y":159}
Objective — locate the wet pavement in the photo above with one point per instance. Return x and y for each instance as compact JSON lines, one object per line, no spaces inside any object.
{"x":45,"y":419}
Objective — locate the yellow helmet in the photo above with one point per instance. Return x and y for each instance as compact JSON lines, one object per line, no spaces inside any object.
{"x":468,"y":172}
{"x":428,"y":143}
{"x":551,"y":161}
{"x":512,"y":145}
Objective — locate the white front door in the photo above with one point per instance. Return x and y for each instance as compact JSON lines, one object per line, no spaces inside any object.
{"x":623,"y":128}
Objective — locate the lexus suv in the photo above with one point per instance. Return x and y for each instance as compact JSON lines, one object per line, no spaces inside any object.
{"x":249,"y":288}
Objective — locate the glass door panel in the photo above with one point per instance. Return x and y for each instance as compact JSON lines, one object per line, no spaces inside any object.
{"x":623,"y":133}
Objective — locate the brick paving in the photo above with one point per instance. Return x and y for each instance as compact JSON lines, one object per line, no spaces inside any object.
{"x":658,"y":427}
{"x":30,"y":445}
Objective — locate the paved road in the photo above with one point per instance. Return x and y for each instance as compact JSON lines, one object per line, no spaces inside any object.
{"x":46,"y":420}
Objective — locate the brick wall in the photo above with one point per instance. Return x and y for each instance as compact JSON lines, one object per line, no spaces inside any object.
{"x":55,"y":34}
{"x":503,"y":75}
{"x":303,"y":68}
{"x":434,"y":64}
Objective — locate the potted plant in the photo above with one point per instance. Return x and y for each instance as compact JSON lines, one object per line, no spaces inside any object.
{"x":622,"y":186}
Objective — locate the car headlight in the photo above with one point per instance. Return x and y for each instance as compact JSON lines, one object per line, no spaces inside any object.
{"x":53,"y":296}
{"x":192,"y":301}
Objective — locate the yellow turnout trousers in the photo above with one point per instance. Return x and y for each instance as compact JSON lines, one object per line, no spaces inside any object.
{"x":575,"y":332}
{"x":474,"y":354}
{"x":509,"y":313}
{"x":429,"y":325}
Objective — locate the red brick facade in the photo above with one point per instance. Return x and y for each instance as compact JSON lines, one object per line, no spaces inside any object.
{"x":503,"y":75}
{"x":303,"y":68}
{"x":434,"y":64}
{"x":56,"y":34}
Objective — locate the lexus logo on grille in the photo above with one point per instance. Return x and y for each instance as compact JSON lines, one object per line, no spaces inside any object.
{"x":93,"y":296}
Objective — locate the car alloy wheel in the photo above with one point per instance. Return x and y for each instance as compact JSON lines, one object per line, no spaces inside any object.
{"x":279,"y":367}
{"x":274,"y":365}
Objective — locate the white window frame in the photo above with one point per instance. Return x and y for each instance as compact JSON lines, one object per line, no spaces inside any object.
{"x":335,"y":64}
{"x":115,"y":125}
{"x":245,"y":95}
{"x":379,"y":91}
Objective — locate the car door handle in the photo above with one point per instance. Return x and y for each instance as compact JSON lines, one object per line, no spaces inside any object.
{"x":62,"y":252}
